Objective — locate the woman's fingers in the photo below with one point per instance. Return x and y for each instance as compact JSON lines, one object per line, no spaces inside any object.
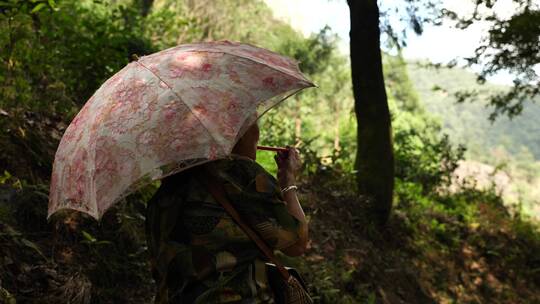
{"x":289,"y":160}
{"x":294,"y":159}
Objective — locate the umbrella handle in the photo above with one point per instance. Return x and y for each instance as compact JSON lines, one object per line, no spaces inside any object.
{"x":274,"y":149}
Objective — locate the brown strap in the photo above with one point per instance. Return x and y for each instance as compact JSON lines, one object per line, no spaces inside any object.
{"x":217,"y":191}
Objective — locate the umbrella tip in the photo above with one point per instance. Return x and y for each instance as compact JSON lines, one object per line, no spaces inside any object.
{"x":135,"y":57}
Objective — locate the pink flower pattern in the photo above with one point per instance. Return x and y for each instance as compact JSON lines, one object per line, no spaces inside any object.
{"x":169,"y":110}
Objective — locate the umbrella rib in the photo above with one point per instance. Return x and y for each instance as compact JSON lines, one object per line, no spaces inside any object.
{"x":281,"y":70}
{"x":181,"y":100}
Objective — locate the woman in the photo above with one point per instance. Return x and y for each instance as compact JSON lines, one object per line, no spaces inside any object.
{"x":199,"y":254}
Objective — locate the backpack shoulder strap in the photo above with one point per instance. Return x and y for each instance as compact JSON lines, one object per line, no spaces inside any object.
{"x":215,"y":188}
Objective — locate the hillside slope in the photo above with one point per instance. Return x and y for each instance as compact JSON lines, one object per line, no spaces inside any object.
{"x":509,"y":145}
{"x":462,"y":248}
{"x":468,"y":122}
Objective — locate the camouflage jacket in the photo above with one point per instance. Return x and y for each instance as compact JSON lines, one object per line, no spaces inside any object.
{"x":198,"y":253}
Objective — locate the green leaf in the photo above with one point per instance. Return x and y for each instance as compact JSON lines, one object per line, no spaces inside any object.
{"x":5,"y":177}
{"x":37,"y":8}
{"x":87,"y":236}
{"x":32,"y":245}
{"x":52,"y":4}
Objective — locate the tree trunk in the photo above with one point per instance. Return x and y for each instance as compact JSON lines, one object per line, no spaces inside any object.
{"x":374,"y":158}
{"x":337,"y":112}
{"x":145,"y":6}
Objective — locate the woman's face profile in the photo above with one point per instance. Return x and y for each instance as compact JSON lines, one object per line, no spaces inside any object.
{"x":247,"y":145}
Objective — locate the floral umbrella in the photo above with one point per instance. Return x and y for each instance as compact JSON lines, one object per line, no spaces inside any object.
{"x":164,"y":113}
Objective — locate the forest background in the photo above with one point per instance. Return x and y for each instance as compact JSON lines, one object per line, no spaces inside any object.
{"x":464,"y":227}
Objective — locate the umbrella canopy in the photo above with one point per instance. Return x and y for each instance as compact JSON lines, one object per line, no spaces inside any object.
{"x":162,"y":114}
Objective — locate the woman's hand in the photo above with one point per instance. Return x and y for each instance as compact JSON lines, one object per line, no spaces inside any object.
{"x":289,"y":165}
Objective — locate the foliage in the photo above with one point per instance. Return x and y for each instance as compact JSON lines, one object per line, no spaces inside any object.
{"x":438,"y":247}
{"x":54,"y":60}
{"x":509,"y":144}
{"x":468,"y":122}
{"x":512,"y":45}
{"x":424,"y":156}
{"x":12,"y":7}
{"x":424,"y":161}
{"x":53,"y":57}
{"x":398,"y":19}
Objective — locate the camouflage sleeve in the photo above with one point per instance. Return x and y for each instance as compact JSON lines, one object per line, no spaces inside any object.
{"x":170,"y":255}
{"x":256,"y":195}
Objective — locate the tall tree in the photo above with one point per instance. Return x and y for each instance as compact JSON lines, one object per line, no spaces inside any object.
{"x":374,"y":158}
